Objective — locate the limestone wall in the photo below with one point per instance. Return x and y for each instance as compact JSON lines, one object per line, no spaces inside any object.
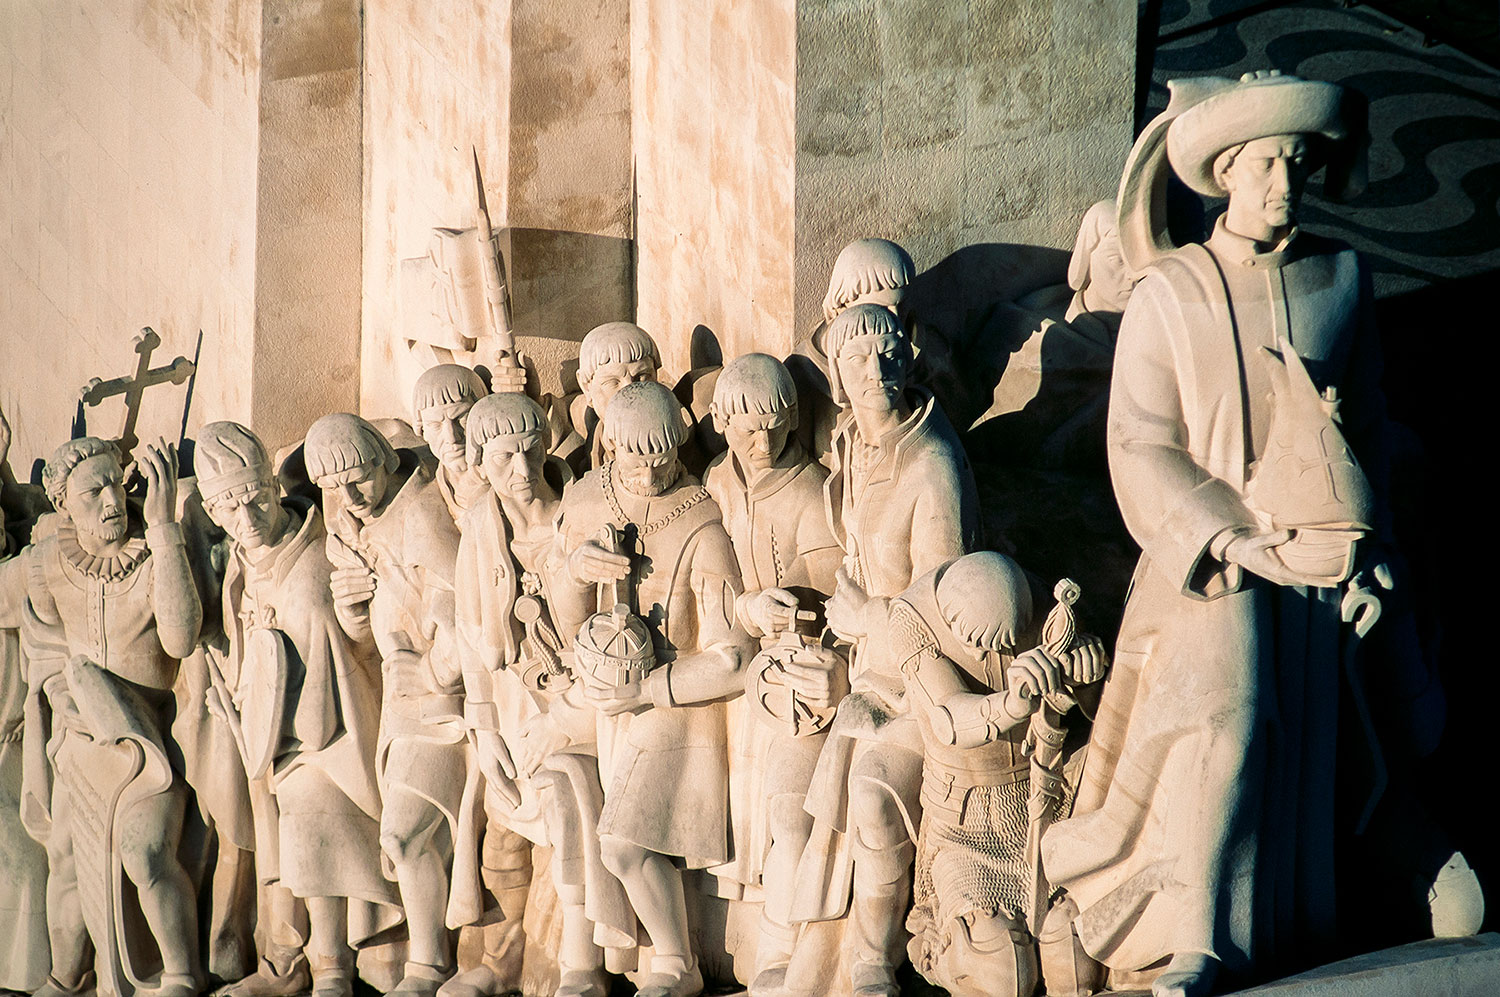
{"x":128,"y":159}
{"x":714,"y":110}
{"x":954,"y":122}
{"x":769,"y":135}
{"x":540,"y":89}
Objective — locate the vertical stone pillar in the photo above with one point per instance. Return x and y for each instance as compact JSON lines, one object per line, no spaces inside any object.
{"x":769,"y":135}
{"x":309,"y":215}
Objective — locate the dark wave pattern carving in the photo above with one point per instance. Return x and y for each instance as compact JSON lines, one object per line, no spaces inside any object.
{"x":1432,"y":210}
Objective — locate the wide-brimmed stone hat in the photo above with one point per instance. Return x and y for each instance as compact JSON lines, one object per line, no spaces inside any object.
{"x":1265,"y":104}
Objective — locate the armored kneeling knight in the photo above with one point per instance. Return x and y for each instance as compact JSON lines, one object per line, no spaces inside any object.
{"x":993,"y":754}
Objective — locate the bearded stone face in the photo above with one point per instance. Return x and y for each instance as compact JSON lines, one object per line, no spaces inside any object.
{"x":646,"y":475}
{"x":95,"y":499}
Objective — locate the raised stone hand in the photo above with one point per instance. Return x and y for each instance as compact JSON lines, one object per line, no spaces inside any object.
{"x":591,"y":562}
{"x":771,"y":611}
{"x":1256,"y":552}
{"x":845,"y":609}
{"x":819,"y":683}
{"x":159,"y":467}
{"x":353,"y":586}
{"x":540,"y":737}
{"x":1086,"y":662}
{"x":1034,"y":674}
{"x":496,"y":765}
{"x":507,"y":372}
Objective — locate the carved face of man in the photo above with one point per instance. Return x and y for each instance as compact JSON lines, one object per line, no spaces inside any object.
{"x":610,"y":377}
{"x":513,"y":464}
{"x":95,"y":498}
{"x":643,"y":474}
{"x":363,"y":488}
{"x":251,"y":515}
{"x":1264,"y":181}
{"x":442,"y":429}
{"x":758,"y":440}
{"x":872,"y":370}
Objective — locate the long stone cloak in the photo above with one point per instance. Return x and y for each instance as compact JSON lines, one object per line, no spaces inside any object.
{"x":318,"y":830}
{"x":1204,"y":821}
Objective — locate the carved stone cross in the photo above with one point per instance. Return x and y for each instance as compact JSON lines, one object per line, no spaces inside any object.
{"x":132,"y":388}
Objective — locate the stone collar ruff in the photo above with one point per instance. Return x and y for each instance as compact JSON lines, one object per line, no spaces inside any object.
{"x":110,"y":569}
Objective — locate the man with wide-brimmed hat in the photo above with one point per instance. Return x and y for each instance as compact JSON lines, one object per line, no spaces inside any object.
{"x":1204,"y":827}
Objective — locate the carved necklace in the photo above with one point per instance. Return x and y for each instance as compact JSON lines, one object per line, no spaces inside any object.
{"x":607,"y":484}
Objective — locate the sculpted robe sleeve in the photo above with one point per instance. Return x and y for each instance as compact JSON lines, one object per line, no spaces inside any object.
{"x":714,"y":670}
{"x":1173,"y":507}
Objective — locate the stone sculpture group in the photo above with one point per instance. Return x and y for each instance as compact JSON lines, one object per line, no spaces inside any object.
{"x":349,"y":693}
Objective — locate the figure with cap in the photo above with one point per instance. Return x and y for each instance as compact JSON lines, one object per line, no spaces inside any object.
{"x":661,"y":729}
{"x":440,"y":405}
{"x":314,"y":794}
{"x":1238,"y":360}
{"x":393,"y":545}
{"x":771,"y":495}
{"x":534,"y":737}
{"x":610,"y":356}
{"x":967,"y":648}
{"x":866,"y":271}
{"x":112,"y":608}
{"x":901,"y":499}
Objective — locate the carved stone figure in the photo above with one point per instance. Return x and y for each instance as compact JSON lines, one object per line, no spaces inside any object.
{"x":23,"y":862}
{"x":303,"y":701}
{"x":1200,"y":801}
{"x":902,"y":501}
{"x":440,"y":401}
{"x":771,"y":495}
{"x":535,"y":742}
{"x":393,"y":544}
{"x":867,"y":271}
{"x":958,"y":634}
{"x":609,"y":357}
{"x":111,"y":608}
{"x":657,"y":683}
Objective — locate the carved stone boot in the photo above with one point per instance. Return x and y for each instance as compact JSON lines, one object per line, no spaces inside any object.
{"x":176,"y":985}
{"x":1189,"y":974}
{"x":772,"y":957}
{"x":877,"y":923}
{"x":421,"y":980}
{"x":582,"y":983}
{"x":671,"y":976}
{"x":55,"y":988}
{"x":1067,"y":970}
{"x":270,"y":980}
{"x":333,"y":976}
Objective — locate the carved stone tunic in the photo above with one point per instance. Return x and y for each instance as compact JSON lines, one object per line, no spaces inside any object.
{"x":665,"y":770}
{"x":319,"y":835}
{"x":1208,"y":788}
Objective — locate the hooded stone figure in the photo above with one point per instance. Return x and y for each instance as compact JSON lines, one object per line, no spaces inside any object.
{"x":440,"y":404}
{"x":304,"y":703}
{"x":1204,"y":827}
{"x":393,"y":544}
